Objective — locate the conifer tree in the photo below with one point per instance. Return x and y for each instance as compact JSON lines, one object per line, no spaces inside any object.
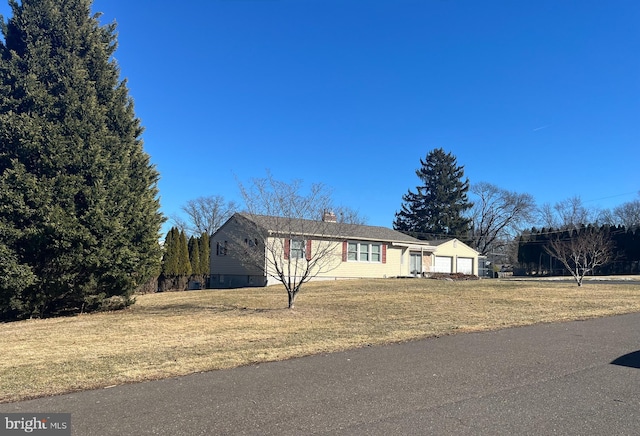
{"x":170,"y":257}
{"x":175,"y":261}
{"x":13,"y":275}
{"x":184,"y":268}
{"x":81,"y":193}
{"x":437,"y":207}
{"x":194,"y":255}
{"x":205,"y":253}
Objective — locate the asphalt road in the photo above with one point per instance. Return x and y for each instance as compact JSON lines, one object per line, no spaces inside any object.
{"x":576,"y":378}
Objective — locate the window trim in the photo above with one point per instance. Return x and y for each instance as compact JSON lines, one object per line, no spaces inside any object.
{"x":305,"y":250}
{"x":222,"y":248}
{"x":369,"y":253}
{"x":301,"y":250}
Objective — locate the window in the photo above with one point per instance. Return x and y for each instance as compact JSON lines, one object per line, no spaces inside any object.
{"x":221,"y":248}
{"x":297,"y":249}
{"x":364,"y":252}
{"x":375,"y":253}
{"x":353,"y":251}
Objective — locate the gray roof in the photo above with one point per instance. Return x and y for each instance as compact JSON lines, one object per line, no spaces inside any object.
{"x":437,"y":242}
{"x":333,"y":230}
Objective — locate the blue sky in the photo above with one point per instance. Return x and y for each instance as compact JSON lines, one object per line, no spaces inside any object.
{"x":536,"y":96}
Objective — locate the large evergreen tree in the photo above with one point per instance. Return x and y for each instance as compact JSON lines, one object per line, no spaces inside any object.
{"x":78,"y":192}
{"x":437,"y":207}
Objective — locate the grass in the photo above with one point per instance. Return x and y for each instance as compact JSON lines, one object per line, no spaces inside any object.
{"x":173,"y":334}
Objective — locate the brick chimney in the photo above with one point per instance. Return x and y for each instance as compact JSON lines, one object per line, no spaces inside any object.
{"x":329,"y":217}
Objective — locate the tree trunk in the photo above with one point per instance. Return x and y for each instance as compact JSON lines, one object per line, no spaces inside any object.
{"x":292,"y":298}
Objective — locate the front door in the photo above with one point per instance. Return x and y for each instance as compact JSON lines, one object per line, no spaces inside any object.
{"x":415,"y":264}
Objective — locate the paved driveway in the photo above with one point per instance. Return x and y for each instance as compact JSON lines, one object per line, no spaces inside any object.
{"x":547,"y":379}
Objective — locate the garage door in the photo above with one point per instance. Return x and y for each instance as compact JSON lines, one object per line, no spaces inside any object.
{"x":442,"y":264}
{"x":465,"y":265}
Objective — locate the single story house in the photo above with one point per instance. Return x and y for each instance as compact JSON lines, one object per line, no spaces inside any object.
{"x":248,"y":250}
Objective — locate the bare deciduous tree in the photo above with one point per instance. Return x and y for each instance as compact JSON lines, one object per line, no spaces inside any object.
{"x":205,"y":214}
{"x":348,"y":215}
{"x":285,"y":235}
{"x":581,"y":250}
{"x":567,"y":213}
{"x":628,"y":214}
{"x":497,"y":216}
{"x":180,"y":223}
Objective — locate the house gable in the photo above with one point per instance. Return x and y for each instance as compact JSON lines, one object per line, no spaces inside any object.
{"x":228,"y":270}
{"x":453,"y":255}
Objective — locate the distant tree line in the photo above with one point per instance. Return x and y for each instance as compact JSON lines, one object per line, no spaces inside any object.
{"x":534,"y":256}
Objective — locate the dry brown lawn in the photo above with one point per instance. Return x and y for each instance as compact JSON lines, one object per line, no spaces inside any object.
{"x":172,"y":334}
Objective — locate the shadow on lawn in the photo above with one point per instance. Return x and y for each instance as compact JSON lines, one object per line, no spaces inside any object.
{"x":632,"y":360}
{"x":172,"y":309}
